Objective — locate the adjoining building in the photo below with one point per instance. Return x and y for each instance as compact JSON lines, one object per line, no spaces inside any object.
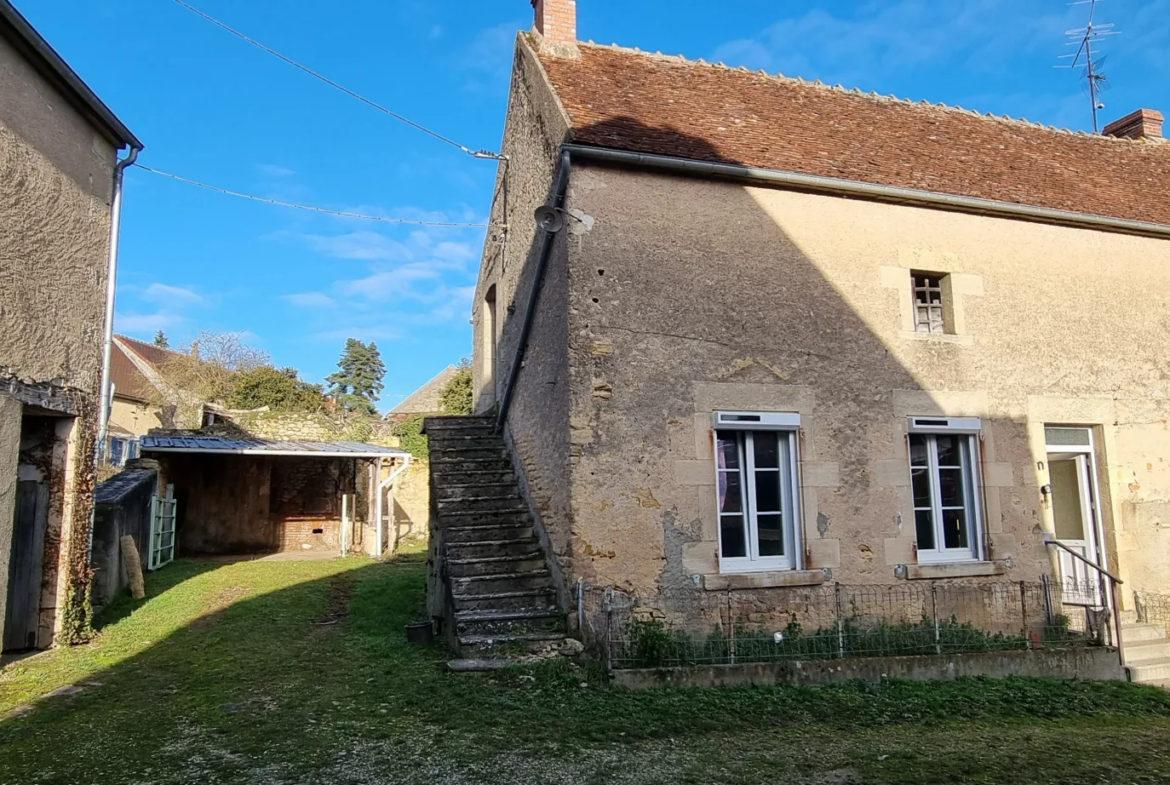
{"x":785,"y":335}
{"x":58,"y":151}
{"x":251,"y":496}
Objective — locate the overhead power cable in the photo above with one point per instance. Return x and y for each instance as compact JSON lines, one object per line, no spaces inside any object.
{"x":326,"y":210}
{"x":474,"y":153}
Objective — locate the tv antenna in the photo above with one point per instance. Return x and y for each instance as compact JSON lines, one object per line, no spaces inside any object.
{"x":1086,"y":56}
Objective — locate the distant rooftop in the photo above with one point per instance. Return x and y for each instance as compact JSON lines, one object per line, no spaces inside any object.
{"x":425,"y":400}
{"x":227,"y":446}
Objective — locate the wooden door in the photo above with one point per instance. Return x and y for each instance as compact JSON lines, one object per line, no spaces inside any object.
{"x":22,"y":616}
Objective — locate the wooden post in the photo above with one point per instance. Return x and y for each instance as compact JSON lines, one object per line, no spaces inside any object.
{"x":133,"y":567}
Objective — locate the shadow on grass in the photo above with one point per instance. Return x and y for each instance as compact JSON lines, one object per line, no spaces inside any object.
{"x":230,"y":668}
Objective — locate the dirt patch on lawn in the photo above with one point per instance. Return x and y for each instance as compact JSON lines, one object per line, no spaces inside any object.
{"x":216,"y":604}
{"x":336,"y":603}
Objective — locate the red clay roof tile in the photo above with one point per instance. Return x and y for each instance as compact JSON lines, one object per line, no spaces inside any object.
{"x":647,"y":103}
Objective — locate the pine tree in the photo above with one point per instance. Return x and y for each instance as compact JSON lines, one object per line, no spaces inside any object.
{"x":160,"y":340}
{"x":358,"y":381}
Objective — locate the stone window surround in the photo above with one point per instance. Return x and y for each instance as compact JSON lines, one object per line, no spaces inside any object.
{"x":823,"y":554}
{"x":957,"y":286}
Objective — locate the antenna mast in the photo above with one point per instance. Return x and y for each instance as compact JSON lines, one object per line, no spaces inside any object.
{"x":1083,"y":39}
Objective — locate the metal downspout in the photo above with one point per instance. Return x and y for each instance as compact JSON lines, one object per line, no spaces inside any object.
{"x":111,"y":286}
{"x":556,"y":201}
{"x":105,"y":394}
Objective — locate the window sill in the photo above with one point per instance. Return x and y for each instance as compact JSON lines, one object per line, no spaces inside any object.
{"x":961,"y":340}
{"x":975,"y":569}
{"x":763,"y":580}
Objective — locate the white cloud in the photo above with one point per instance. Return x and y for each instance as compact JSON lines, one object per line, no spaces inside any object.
{"x":884,"y":39}
{"x":146,"y":323}
{"x":311,"y":300}
{"x":171,"y":295}
{"x":272,"y":170}
{"x":364,"y":245}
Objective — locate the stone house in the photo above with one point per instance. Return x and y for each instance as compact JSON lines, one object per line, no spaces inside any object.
{"x":772,"y":334}
{"x":58,"y":154}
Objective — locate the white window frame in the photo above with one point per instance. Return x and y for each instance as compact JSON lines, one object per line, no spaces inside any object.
{"x":787,"y":425}
{"x":970,"y":429}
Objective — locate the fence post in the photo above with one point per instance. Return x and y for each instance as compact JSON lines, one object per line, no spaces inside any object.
{"x":934,"y":616}
{"x":1024,"y":613}
{"x":1046,"y":587}
{"x":730,"y":629}
{"x":840,"y":621}
{"x":608,"y":604}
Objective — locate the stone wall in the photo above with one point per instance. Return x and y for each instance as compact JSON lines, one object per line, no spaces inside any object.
{"x":538,"y":420}
{"x":690,"y":296}
{"x":56,"y":176}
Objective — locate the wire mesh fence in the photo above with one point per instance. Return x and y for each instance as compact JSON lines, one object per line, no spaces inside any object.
{"x":1153,"y":609}
{"x":681,"y":628}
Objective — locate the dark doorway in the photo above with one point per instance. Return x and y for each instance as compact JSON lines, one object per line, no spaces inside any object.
{"x":26,"y":559}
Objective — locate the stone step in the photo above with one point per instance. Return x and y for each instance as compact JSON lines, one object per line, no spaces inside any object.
{"x":438,"y":452}
{"x":506,"y":600}
{"x":478,"y":549}
{"x":501,"y":582}
{"x":1138,"y":633}
{"x":452,"y":441}
{"x":495,"y":565}
{"x":1150,"y":672}
{"x":1127,"y":617}
{"x":487,"y":645}
{"x":474,"y":504}
{"x":491,"y":528}
{"x":449,"y":478}
{"x":509,"y":622}
{"x":1137,"y":653}
{"x":456,"y":421}
{"x":447,"y":493}
{"x":442,"y":466}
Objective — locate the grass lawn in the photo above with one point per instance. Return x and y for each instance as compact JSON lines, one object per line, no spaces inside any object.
{"x":298,"y":672}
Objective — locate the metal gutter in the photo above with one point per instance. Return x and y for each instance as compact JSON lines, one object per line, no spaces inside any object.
{"x":855,"y":188}
{"x":556,"y":201}
{"x":50,"y":65}
{"x":293,"y":453}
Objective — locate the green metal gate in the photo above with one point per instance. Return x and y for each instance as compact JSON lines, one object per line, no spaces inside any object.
{"x":162,"y":530}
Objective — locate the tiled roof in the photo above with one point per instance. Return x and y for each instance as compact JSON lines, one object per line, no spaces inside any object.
{"x":229,"y":446}
{"x":652,"y":103}
{"x":128,"y":380}
{"x":155,"y":355}
{"x":425,"y":400}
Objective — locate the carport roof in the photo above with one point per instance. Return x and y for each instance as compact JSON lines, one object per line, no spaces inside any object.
{"x":225,"y":446}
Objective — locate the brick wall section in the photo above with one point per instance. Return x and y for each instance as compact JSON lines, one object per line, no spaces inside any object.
{"x":556,"y":20}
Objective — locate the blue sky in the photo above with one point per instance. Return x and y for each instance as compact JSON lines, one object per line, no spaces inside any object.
{"x":212,"y":108}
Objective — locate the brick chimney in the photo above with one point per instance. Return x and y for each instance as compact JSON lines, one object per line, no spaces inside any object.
{"x":556,"y":22}
{"x":1142,"y":124}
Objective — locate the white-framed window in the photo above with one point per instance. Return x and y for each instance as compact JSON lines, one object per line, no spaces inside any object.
{"x":757,"y":491}
{"x":945,"y":481}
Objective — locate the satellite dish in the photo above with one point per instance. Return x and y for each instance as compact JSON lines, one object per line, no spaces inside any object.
{"x":549,"y":219}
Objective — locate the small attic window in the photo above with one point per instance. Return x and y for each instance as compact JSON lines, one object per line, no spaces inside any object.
{"x":929,"y":312}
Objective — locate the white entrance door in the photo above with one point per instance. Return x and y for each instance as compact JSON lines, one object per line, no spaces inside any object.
{"x":1074,"y":512}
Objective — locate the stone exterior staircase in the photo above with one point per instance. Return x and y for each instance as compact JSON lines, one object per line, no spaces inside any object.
{"x":1146,"y":650}
{"x":501,"y":595}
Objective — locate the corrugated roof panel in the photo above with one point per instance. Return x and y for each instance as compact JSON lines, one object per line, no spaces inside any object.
{"x":223,"y":444}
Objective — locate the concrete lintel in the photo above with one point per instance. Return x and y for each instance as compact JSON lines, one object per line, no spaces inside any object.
{"x":919,"y":572}
{"x":763,"y":580}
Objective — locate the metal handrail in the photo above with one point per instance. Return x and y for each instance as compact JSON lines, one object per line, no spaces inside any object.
{"x":1110,"y":598}
{"x":1095,"y":566}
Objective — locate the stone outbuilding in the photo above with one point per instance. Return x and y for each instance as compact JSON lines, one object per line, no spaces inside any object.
{"x":58,"y":154}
